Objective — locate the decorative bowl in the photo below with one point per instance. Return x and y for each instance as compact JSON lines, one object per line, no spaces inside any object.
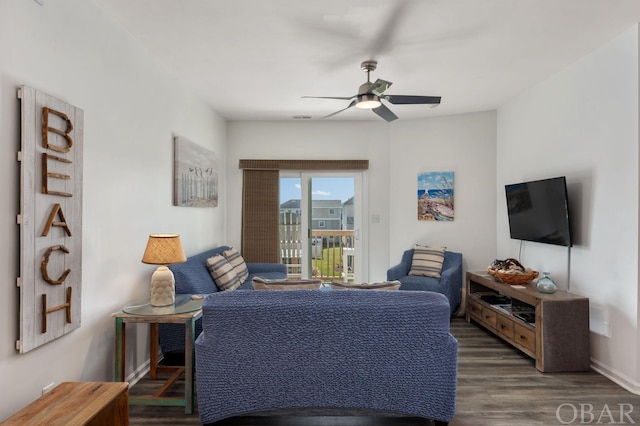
{"x":513,"y":278}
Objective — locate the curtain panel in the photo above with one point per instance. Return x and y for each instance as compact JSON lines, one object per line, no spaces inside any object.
{"x":260,"y":206}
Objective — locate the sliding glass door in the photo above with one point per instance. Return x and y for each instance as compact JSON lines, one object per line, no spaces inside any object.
{"x":321,"y":225}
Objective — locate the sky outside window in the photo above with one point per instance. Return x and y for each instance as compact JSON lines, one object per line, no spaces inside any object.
{"x":323,"y":189}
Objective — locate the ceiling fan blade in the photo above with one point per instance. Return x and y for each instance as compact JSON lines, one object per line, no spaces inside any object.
{"x":379,"y":86}
{"x":342,"y":98}
{"x":406,"y":100}
{"x":385,"y":113}
{"x":384,"y":39}
{"x":337,"y":112}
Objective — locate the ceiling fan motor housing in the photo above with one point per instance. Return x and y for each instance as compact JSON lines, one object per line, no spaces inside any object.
{"x":364,"y":88}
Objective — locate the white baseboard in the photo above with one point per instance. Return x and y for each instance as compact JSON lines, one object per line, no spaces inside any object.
{"x":616,"y":377}
{"x":141,"y":371}
{"x":138,"y":373}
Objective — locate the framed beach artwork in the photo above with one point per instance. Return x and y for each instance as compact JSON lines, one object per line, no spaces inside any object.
{"x":435,"y":196}
{"x":195,"y":175}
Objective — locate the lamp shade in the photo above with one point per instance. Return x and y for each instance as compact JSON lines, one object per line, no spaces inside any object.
{"x":164,"y":249}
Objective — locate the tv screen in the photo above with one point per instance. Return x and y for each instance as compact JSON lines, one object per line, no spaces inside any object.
{"x":539,"y":211}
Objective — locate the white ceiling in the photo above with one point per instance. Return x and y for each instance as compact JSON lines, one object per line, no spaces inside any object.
{"x":255,"y":59}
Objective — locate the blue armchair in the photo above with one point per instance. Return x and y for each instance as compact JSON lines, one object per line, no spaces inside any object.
{"x":450,"y":283}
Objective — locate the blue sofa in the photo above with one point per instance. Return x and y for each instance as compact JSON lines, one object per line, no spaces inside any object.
{"x":193,"y":277}
{"x":450,"y":283}
{"x":335,"y":350}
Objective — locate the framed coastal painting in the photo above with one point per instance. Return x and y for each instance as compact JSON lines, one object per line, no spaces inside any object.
{"x":195,"y":175}
{"x":435,"y":196}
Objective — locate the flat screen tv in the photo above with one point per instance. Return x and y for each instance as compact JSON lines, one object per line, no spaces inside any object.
{"x":539,"y":211}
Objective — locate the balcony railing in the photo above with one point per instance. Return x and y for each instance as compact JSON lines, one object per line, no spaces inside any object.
{"x":332,"y":253}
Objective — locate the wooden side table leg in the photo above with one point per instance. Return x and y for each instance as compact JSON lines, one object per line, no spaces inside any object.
{"x":463,"y":300}
{"x":119,"y":351}
{"x":189,"y":358}
{"x":153,"y":350}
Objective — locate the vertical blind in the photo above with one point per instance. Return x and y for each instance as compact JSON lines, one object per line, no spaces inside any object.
{"x":261,"y":202}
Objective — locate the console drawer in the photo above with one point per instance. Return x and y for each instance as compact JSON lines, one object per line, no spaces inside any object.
{"x":475,"y":310}
{"x":505,"y":326}
{"x":489,"y":317}
{"x":525,"y":337}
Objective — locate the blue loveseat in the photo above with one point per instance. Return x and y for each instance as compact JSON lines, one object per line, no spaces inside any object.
{"x":450,"y":283}
{"x":193,"y":277}
{"x":332,"y":350}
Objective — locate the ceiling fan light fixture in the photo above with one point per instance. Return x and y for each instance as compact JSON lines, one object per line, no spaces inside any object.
{"x":368,"y":101}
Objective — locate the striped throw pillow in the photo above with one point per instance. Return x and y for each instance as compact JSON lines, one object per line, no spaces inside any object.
{"x":427,"y":261}
{"x":223,"y":273}
{"x":238,"y":263}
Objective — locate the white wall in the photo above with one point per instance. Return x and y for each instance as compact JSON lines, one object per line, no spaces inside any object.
{"x":131,"y":108}
{"x":583,"y":123}
{"x":466,"y":145}
{"x":315,"y":140}
{"x":397,"y":152}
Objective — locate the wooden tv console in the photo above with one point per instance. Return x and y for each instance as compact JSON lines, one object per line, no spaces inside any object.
{"x":558,"y":339}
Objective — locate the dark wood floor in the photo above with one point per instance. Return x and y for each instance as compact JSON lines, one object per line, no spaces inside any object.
{"x":497,"y":386}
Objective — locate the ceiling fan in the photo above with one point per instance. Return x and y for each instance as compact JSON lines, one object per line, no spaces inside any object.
{"x":370,"y":96}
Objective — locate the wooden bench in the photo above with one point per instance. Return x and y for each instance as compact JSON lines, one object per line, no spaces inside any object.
{"x":77,"y":403}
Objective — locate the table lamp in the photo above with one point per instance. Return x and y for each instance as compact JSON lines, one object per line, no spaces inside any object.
{"x":163,"y":250}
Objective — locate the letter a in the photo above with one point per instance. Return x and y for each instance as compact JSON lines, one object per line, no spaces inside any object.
{"x":50,"y":222}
